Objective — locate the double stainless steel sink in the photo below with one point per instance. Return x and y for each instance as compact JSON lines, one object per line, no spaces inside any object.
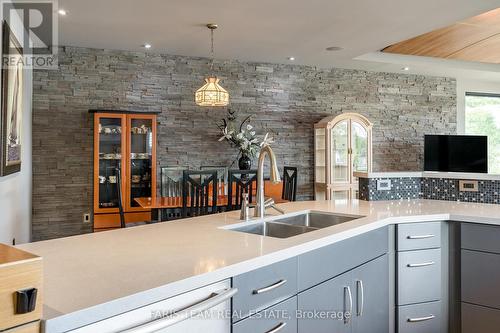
{"x":289,"y":226}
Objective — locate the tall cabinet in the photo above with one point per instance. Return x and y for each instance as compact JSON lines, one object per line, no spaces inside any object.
{"x":124,"y":142}
{"x":342,"y":146}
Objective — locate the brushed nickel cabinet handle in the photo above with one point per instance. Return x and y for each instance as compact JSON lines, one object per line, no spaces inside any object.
{"x":269,"y":288}
{"x":360,"y":298}
{"x":347,"y":296}
{"x":421,"y":236}
{"x":277,"y":328}
{"x":416,"y":320}
{"x":423,"y":264}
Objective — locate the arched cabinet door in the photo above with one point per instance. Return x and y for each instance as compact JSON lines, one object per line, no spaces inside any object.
{"x":347,"y":142}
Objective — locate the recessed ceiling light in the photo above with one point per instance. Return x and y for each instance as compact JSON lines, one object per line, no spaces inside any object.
{"x":334,"y":48}
{"x":406,"y":68}
{"x":291,"y":58}
{"x":147,"y":46}
{"x":62,"y":12}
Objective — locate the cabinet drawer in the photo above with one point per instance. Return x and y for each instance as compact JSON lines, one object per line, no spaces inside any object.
{"x":480,"y":237}
{"x":478,"y":319}
{"x":320,"y":265}
{"x":480,"y":278}
{"x":415,"y":236}
{"x":27,"y":328}
{"x":264,"y":287}
{"x":17,"y":276}
{"x":420,"y":318}
{"x":201,"y":310}
{"x":280,"y":318}
{"x":419,"y":276}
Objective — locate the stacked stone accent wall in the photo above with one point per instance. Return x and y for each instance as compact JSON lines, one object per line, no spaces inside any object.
{"x":284,"y":99}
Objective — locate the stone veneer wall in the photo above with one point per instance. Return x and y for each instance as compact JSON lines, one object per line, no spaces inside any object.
{"x":284,"y":99}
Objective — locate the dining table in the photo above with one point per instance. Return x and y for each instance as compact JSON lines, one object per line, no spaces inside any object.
{"x":159,"y":203}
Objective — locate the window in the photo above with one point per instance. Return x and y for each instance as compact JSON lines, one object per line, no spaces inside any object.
{"x":482,"y":117}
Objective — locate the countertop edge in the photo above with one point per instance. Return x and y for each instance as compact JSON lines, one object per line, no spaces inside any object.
{"x":102,"y":311}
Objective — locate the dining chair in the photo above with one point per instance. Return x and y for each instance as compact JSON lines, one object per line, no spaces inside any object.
{"x":290,"y":175}
{"x":171,"y":181}
{"x":120,"y":204}
{"x":221,"y":177}
{"x":171,"y":187}
{"x":199,"y":192}
{"x":240,"y":181}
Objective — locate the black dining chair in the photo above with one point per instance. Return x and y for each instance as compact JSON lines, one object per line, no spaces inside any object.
{"x":289,"y":183}
{"x":240,"y":181}
{"x":120,"y":204}
{"x":171,"y":187}
{"x":221,"y":176}
{"x":199,"y":192}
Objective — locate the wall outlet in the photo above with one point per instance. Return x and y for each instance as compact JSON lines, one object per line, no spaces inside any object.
{"x":86,"y":218}
{"x":468,"y":185}
{"x":384,"y":185}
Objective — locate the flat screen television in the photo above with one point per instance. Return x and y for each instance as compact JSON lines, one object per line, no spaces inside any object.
{"x":456,"y":153}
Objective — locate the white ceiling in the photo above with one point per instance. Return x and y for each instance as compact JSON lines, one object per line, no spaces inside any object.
{"x":272,"y":30}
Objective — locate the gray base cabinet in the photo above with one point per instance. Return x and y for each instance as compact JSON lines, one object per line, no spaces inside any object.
{"x":332,"y":260}
{"x":479,"y":319}
{"x":420,"y":318}
{"x":263,"y":287}
{"x":322,"y":309}
{"x":480,"y":278}
{"x":342,"y":287}
{"x":419,"y":276}
{"x":277,"y":319}
{"x":371,"y":288}
{"x":356,"y":301}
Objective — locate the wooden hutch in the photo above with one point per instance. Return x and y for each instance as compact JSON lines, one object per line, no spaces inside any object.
{"x":124,"y":143}
{"x":342,"y":146}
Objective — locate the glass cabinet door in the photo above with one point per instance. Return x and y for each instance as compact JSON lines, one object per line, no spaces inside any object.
{"x":320,"y":163}
{"x":141,"y":171}
{"x":109,"y":144}
{"x":340,"y":153}
{"x":359,"y":139}
{"x":359,"y":142}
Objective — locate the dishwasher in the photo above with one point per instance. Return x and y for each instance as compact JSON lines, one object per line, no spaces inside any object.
{"x":204,"y":310}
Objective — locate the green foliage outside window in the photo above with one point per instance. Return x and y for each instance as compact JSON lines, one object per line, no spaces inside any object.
{"x":482,"y":117}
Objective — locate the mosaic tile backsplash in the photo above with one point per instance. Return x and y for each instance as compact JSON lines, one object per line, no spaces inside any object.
{"x":428,"y":188}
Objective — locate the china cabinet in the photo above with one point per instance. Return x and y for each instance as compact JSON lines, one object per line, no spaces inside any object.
{"x":342,"y":146}
{"x":124,"y":142}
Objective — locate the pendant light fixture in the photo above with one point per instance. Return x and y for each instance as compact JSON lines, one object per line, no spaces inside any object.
{"x":211,"y":93}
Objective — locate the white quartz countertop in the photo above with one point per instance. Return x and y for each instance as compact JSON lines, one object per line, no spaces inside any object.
{"x":94,"y":276}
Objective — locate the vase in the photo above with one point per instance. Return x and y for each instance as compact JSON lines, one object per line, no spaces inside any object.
{"x":245,"y":163}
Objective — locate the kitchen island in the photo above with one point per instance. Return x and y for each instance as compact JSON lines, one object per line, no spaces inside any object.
{"x":96,"y":276}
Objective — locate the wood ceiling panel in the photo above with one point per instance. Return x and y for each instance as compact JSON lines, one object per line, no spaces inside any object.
{"x":443,"y":42}
{"x":487,"y":51}
{"x":491,"y":18}
{"x":457,"y":41}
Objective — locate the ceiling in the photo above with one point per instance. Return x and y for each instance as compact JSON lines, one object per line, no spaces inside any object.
{"x":473,"y":39}
{"x":264,"y":31}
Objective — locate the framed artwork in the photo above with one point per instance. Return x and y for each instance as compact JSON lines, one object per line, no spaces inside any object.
{"x":12,"y":103}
